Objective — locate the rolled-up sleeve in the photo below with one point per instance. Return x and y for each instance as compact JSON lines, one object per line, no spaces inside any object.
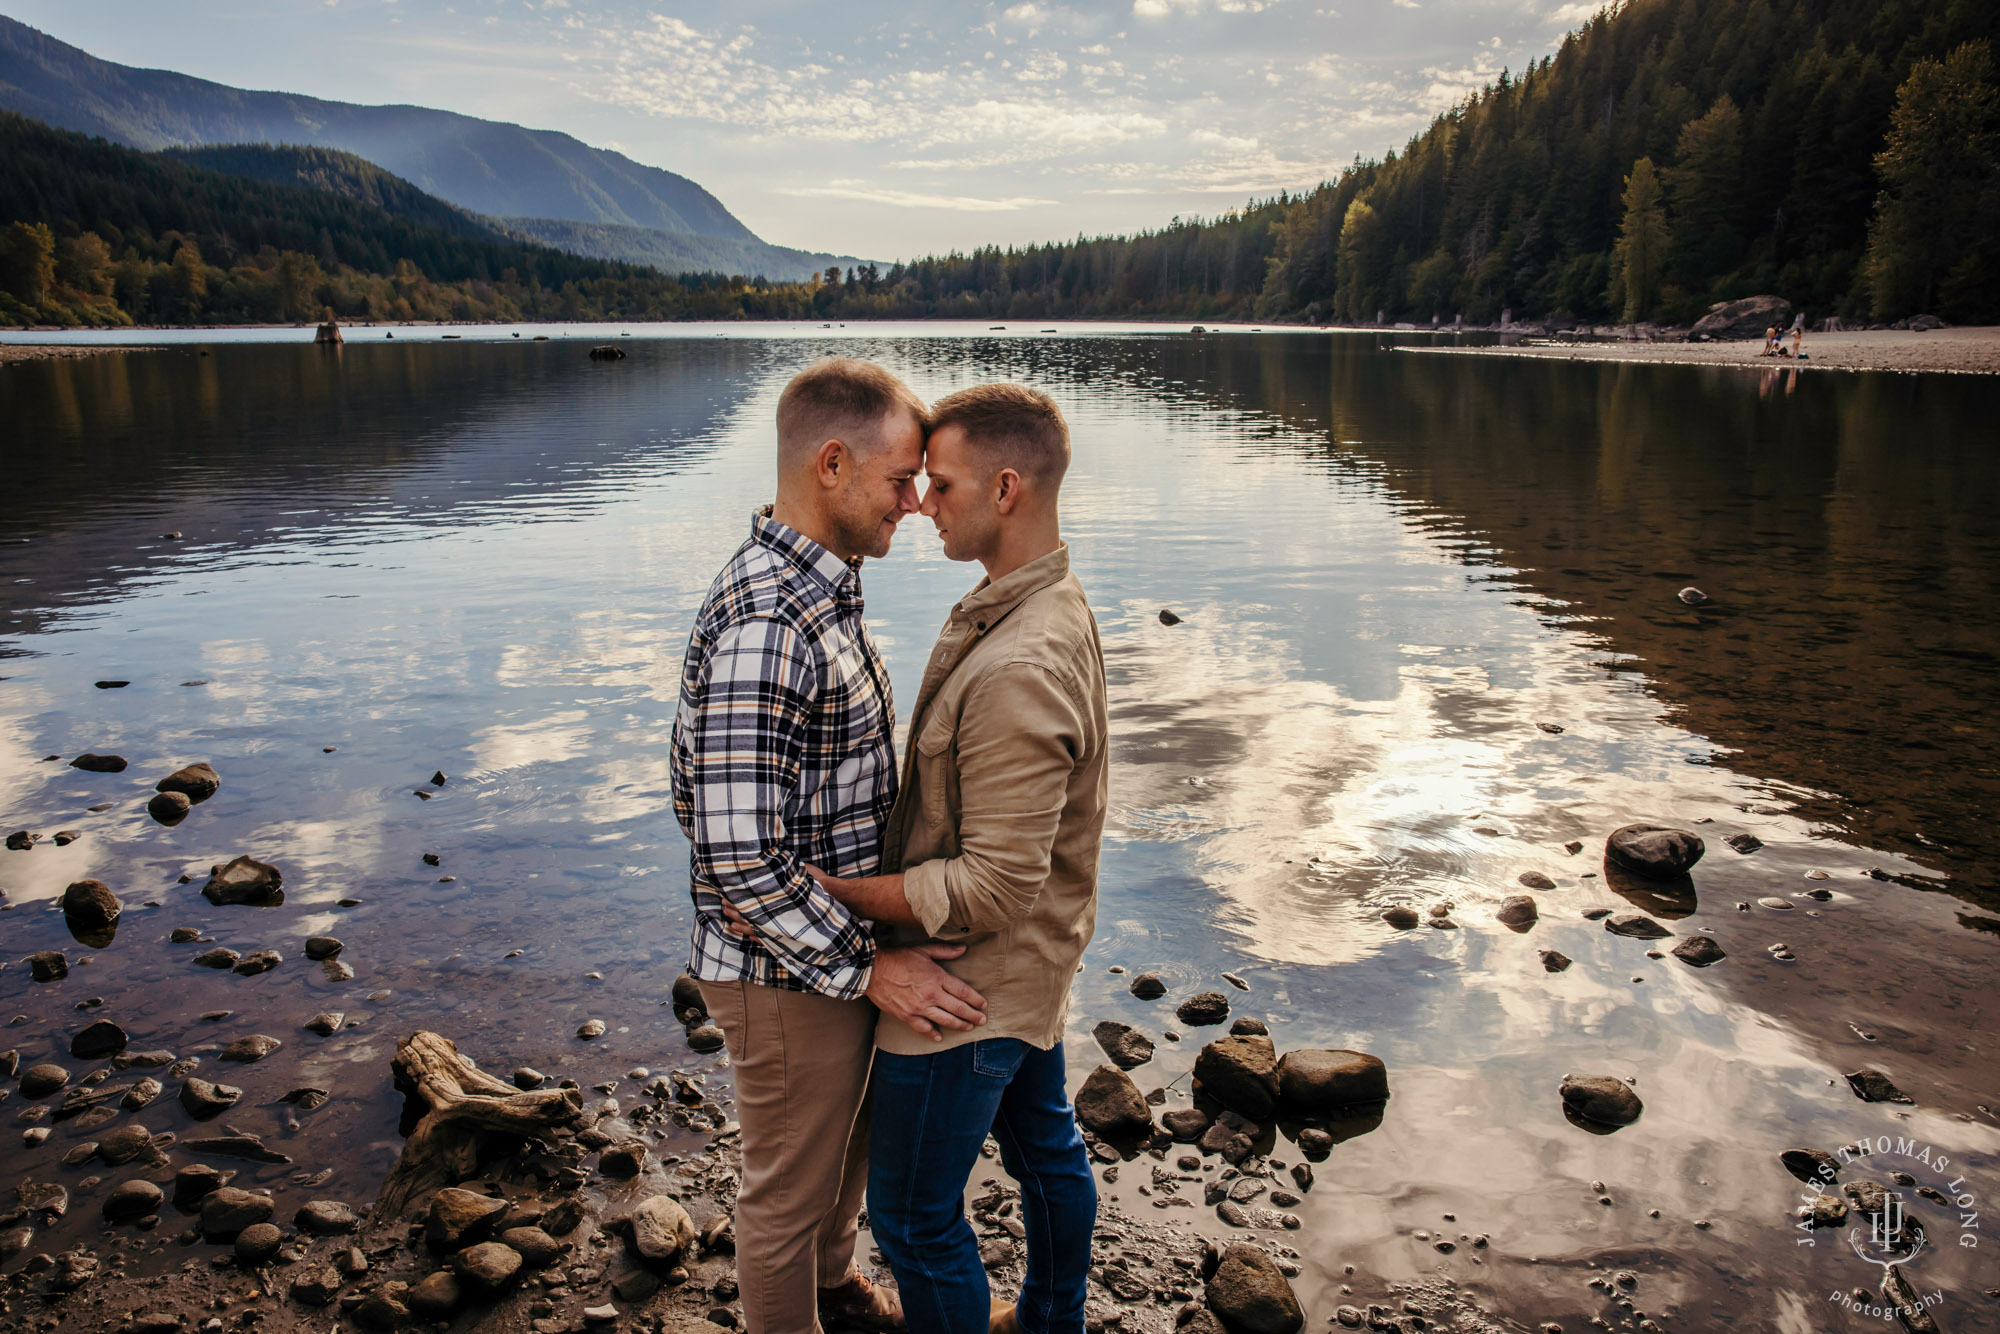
{"x":1019,"y":737}
{"x":747,"y":738}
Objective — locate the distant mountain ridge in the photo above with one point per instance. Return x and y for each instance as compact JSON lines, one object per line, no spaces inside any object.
{"x":487,"y":167}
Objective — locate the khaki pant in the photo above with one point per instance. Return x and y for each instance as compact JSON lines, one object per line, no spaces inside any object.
{"x":801,"y":1062}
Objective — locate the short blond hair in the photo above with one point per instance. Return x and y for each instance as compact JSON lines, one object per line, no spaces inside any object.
{"x":843,"y":398}
{"x":1012,"y":426}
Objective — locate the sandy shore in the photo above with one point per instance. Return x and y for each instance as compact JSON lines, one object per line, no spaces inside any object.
{"x":11,"y":352}
{"x":1972,"y":351}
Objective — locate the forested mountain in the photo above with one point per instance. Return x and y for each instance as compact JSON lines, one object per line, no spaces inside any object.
{"x":100,"y":234}
{"x":332,"y":171}
{"x":1844,"y":154}
{"x":486,"y":167}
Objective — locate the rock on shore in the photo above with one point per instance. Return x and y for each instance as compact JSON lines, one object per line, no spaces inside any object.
{"x":1110,"y":1105}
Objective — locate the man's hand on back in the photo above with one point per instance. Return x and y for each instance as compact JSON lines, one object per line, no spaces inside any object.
{"x":908,"y":986}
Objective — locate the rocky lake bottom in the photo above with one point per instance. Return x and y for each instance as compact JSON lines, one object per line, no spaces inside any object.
{"x":421,"y":610}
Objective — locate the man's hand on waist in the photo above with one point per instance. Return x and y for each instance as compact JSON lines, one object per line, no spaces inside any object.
{"x":908,"y":986}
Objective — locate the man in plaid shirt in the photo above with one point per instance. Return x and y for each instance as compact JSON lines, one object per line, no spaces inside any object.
{"x":784,"y":760}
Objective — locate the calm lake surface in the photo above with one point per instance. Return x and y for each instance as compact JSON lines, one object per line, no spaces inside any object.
{"x":1397,"y":574}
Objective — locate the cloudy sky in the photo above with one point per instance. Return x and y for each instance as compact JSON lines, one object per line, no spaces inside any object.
{"x":886,"y":130}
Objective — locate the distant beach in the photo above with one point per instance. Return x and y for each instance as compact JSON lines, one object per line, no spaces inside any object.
{"x":1972,"y":351}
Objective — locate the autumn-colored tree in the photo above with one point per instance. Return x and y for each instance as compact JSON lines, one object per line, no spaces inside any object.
{"x":190,"y":280}
{"x":28,"y":262}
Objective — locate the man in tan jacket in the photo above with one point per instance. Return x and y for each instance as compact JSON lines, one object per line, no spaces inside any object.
{"x":992,"y":845}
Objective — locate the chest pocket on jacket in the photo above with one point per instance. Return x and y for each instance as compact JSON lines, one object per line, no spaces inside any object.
{"x":937,"y":768}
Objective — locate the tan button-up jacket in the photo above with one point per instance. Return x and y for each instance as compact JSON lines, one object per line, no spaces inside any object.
{"x":1001,"y":811}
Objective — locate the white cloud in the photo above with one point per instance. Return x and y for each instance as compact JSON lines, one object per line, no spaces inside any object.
{"x":912,"y":199}
{"x":1574,"y":14}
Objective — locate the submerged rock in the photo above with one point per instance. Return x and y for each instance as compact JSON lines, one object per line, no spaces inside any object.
{"x":1127,"y":1047}
{"x":1601,"y":1098}
{"x":1518,"y":910}
{"x":1868,"y":1085}
{"x":1654,"y":851}
{"x":102,"y":1038}
{"x":203,"y":1100}
{"x":1401,"y":917}
{"x":1810,"y":1165}
{"x":252,"y":1047}
{"x":197,"y":782}
{"x":1148,"y":986}
{"x":1535,"y":880}
{"x":243,"y":880}
{"x":130,"y":1201}
{"x":89,"y":905}
{"x":169,"y":808}
{"x":48,"y":966}
{"x":1311,"y":1080}
{"x":1635,"y":924}
{"x":226,"y":1211}
{"x":38,"y":1081}
{"x":1699,"y":951}
{"x":99,"y":764}
{"x":1210,"y":1007}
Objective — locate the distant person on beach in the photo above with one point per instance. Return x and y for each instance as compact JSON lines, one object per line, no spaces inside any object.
{"x":1770,"y":341}
{"x":993,"y":846}
{"x":783,"y":756}
{"x":1798,"y":342}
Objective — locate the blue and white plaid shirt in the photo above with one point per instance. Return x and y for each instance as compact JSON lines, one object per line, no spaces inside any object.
{"x":783,"y":754}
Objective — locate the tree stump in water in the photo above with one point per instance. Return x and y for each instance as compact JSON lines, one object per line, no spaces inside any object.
{"x":467,"y":1108}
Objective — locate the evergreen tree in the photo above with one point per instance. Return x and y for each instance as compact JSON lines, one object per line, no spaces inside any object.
{"x":1936,"y":218}
{"x":1641,"y":252}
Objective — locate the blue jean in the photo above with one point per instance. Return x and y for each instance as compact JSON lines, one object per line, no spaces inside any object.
{"x":932,"y":1114}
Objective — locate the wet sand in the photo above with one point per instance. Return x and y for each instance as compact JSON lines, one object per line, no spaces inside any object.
{"x":1971,"y":351}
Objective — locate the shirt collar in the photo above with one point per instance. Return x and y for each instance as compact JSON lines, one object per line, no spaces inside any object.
{"x":986,"y":604}
{"x":842,"y":577}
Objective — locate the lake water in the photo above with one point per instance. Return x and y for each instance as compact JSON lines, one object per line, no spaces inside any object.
{"x":1397,"y":575}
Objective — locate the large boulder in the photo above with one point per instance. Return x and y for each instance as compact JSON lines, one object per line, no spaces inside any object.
{"x":244,"y":880}
{"x":1251,"y":1295}
{"x":1654,"y":851}
{"x":1110,"y":1105}
{"x":1241,"y":1073}
{"x":1748,"y":318}
{"x":1311,"y":1080}
{"x":1602,"y":1099}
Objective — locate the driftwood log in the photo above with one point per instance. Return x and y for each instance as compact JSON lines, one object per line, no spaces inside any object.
{"x":466,"y":1109}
